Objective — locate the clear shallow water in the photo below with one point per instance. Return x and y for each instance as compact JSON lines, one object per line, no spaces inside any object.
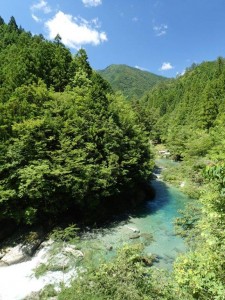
{"x":154,"y":218}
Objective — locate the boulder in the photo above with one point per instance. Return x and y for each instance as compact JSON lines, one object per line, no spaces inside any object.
{"x":2,"y":264}
{"x":30,"y":248}
{"x":74,"y":252}
{"x":2,"y":253}
{"x":14,"y":255}
{"x":20,"y":252}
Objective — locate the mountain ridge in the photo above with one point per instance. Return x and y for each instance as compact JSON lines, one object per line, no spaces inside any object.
{"x":131,"y":81}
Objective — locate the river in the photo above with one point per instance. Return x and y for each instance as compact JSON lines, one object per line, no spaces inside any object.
{"x":151,"y":224}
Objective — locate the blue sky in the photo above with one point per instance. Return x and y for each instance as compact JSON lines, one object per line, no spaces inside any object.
{"x":161,"y":36}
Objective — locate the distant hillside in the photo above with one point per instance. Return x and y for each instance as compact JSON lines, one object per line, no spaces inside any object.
{"x":133,"y":82}
{"x":188,"y":109}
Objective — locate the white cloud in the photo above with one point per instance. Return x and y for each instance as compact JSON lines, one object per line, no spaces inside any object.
{"x":42,"y":5}
{"x":160,"y":29}
{"x":96,"y":23}
{"x":166,"y":66}
{"x":140,"y":68}
{"x":75,"y":32}
{"x":35,"y":18}
{"x":88,"y":3}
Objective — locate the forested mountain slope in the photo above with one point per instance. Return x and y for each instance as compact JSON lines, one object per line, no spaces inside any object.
{"x":132,"y":82}
{"x":188,"y":112}
{"x":67,"y":143}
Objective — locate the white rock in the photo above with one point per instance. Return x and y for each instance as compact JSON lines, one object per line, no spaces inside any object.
{"x":15,"y":255}
{"x":72,"y":251}
{"x":133,"y":229}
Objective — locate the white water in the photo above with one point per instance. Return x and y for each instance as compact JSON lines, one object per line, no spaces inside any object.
{"x":18,"y":281}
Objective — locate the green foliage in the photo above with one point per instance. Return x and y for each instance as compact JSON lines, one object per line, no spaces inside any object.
{"x":68,"y":144}
{"x":24,"y":59}
{"x":186,"y":224}
{"x":72,"y":158}
{"x":187,"y":175}
{"x":187,"y":114}
{"x":68,"y":234}
{"x":41,"y":270}
{"x":201,"y":272}
{"x":132,"y":82}
{"x":187,"y":108}
{"x":125,"y":277}
{"x":48,"y":292}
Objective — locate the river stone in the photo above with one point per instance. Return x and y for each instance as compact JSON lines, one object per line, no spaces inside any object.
{"x":20,"y":253}
{"x":135,"y":236}
{"x":47,"y":243}
{"x":135,"y":230}
{"x":59,"y":262}
{"x":2,"y":253}
{"x":109,"y":248}
{"x":62,"y":261}
{"x":72,"y":251}
{"x":31,"y":247}
{"x":15,"y":255}
{"x":2,"y":264}
{"x":147,"y":238}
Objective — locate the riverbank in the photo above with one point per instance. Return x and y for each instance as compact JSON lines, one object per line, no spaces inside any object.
{"x":153,"y":228}
{"x":187,"y":174}
{"x":151,"y":225}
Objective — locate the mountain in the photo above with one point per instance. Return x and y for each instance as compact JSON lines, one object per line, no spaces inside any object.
{"x":132,"y":82}
{"x":188,"y":112}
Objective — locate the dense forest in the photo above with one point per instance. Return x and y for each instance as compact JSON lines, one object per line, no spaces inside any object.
{"x":188,"y":110}
{"x":132,"y":82}
{"x":69,"y":143}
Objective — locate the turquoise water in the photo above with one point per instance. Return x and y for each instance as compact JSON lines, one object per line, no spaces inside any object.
{"x":151,"y":224}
